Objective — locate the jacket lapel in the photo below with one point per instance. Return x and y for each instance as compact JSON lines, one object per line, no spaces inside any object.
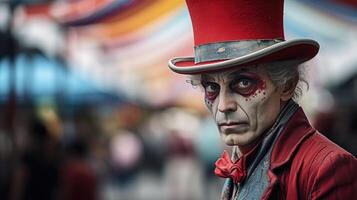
{"x":296,"y":131}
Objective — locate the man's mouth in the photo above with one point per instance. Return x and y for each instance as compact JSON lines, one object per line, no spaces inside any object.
{"x":233,"y":127}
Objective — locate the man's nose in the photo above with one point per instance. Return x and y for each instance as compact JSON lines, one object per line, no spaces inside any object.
{"x":227,"y":103}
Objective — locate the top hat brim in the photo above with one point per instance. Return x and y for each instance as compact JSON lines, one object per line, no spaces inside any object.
{"x":299,"y":50}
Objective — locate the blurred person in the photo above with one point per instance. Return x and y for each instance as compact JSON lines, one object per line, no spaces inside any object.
{"x":209,"y":147}
{"x":182,"y":171}
{"x":154,"y":144}
{"x":339,"y":124}
{"x":125,"y":154}
{"x":252,"y":77}
{"x":6,"y":156}
{"x":79,"y":180}
{"x":337,"y":116}
{"x":37,"y":174}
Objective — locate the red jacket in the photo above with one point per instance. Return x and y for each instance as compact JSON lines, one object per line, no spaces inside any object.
{"x":307,"y":165}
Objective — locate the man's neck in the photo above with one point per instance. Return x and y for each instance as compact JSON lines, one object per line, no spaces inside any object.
{"x":249,"y":147}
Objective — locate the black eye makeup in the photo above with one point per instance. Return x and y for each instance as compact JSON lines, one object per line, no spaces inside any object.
{"x":242,"y":83}
{"x":246,"y":84}
{"x":211,"y":89}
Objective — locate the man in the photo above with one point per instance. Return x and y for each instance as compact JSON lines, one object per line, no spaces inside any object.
{"x":251,"y":77}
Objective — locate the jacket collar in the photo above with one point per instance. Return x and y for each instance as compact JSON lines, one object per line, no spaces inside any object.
{"x":295,"y":132}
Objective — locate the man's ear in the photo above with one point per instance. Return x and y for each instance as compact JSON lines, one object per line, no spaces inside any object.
{"x":288,"y":90}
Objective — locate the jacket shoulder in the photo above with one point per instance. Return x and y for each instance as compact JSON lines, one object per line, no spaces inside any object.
{"x":318,"y":148}
{"x":325,"y":169}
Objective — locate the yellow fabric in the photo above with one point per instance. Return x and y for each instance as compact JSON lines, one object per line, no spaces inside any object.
{"x":137,"y":19}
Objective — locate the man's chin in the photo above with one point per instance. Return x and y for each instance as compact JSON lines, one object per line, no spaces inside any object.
{"x":238,"y":139}
{"x":232,"y":139}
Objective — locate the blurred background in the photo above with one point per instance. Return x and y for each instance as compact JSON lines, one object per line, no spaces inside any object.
{"x":90,"y":110}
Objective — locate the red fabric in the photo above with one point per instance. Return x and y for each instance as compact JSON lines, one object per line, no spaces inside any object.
{"x":225,"y":168}
{"x":352,"y":3}
{"x":229,"y":20}
{"x":79,"y":181}
{"x":216,"y":21}
{"x":306,"y":165}
{"x":42,"y":9}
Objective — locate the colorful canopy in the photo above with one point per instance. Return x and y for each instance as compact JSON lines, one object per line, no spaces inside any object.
{"x":125,"y":44}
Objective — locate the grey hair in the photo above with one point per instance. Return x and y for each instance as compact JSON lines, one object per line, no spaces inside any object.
{"x":281,"y":74}
{"x":194,"y":80}
{"x":287,"y":72}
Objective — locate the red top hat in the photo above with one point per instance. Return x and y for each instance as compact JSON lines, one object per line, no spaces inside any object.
{"x":233,"y":33}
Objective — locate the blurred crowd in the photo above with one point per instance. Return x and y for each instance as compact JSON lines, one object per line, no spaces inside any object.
{"x":336,"y":117}
{"x":126,"y":151}
{"x":130,"y":150}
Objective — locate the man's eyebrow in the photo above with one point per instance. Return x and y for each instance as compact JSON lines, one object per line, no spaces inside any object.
{"x":206,"y":77}
{"x":237,"y":72}
{"x":209,"y":77}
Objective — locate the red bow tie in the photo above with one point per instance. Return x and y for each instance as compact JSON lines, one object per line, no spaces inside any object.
{"x":225,"y":168}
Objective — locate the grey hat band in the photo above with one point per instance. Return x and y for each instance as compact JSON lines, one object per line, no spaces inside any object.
{"x":230,"y":49}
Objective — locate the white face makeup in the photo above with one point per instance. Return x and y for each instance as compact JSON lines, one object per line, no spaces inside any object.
{"x":244,"y":103}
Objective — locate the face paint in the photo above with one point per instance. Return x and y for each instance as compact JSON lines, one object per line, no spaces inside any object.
{"x":248,"y":84}
{"x":211,"y":90}
{"x":244,"y":103}
{"x":208,"y":103}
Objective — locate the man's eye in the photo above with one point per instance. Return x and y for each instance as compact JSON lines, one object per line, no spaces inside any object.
{"x":244,"y":83}
{"x":211,"y":90}
{"x":244,"y":86}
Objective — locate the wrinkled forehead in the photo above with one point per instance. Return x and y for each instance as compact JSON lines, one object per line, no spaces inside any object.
{"x":229,"y":74}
